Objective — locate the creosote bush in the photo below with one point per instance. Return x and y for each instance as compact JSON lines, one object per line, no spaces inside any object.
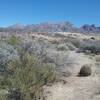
{"x":29,"y":75}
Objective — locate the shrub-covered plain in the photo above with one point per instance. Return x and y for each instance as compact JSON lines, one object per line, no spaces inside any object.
{"x":23,"y":74}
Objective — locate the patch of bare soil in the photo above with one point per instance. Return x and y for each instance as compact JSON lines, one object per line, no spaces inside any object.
{"x":76,"y":88}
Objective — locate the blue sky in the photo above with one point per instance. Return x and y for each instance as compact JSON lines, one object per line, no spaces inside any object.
{"x":36,"y":11}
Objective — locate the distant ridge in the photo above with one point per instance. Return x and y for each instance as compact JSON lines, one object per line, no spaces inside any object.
{"x":53,"y":27}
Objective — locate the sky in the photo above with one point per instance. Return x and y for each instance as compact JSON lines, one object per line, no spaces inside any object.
{"x":78,"y":12}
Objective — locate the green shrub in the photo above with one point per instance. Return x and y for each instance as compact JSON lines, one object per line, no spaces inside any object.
{"x":5,"y":82}
{"x":14,"y":94}
{"x":30,"y":75}
{"x":13,"y":40}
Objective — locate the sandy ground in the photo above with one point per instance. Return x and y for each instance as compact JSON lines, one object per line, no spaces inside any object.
{"x":76,"y":88}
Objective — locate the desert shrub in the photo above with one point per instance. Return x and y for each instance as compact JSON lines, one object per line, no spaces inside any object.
{"x":87,"y":46}
{"x":30,"y":75}
{"x":14,"y":40}
{"x":7,"y":53}
{"x":62,"y":47}
{"x":14,"y":94}
{"x":92,"y":46}
{"x":74,"y":41}
{"x":36,"y":47}
{"x":85,"y":70}
{"x":5,"y":82}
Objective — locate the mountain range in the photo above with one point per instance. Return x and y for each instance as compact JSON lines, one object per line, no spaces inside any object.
{"x":52,"y":27}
